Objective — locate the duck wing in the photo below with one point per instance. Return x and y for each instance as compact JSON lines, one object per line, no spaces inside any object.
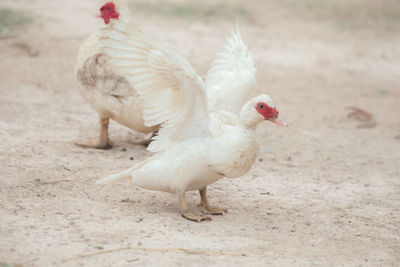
{"x":232,"y":76}
{"x":173,"y":94}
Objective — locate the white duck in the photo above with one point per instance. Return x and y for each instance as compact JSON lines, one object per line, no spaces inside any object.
{"x":108,"y":92}
{"x":199,"y":142}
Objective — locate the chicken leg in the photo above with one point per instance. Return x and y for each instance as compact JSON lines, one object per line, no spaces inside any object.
{"x":103,"y":142}
{"x":205,"y":207}
{"x":186,"y":213}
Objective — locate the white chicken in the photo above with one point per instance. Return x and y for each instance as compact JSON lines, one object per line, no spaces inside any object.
{"x":202,"y":139}
{"x":108,"y":92}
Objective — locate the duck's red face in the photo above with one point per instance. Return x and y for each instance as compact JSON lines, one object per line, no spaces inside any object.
{"x":270,"y":113}
{"x":107,"y":12}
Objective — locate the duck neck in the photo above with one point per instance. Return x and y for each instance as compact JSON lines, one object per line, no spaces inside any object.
{"x":248,"y":118}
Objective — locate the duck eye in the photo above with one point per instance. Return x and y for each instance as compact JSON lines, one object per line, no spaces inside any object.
{"x":261,"y":106}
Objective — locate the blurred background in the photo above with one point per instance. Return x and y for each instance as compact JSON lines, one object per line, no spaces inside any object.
{"x":325,"y":190}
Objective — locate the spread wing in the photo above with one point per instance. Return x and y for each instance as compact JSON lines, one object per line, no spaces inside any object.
{"x":232,"y":76}
{"x":173,"y":94}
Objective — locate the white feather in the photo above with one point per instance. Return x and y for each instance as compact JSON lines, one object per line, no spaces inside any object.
{"x":171,"y":90}
{"x":231,"y":77}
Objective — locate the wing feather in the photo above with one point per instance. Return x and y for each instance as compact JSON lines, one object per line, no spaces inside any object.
{"x":232,"y":76}
{"x":173,"y":94}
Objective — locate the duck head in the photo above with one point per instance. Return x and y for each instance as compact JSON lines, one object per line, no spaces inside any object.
{"x":108,"y":11}
{"x":258,"y":109}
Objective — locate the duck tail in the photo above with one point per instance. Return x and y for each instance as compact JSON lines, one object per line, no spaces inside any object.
{"x":123,"y":175}
{"x":116,"y":177}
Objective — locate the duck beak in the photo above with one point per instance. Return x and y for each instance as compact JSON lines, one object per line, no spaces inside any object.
{"x":279,"y":121}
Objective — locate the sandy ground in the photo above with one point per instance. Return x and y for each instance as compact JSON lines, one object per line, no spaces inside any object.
{"x":322,"y":192}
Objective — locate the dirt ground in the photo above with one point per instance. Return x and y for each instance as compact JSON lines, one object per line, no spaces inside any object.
{"x":323,"y":191}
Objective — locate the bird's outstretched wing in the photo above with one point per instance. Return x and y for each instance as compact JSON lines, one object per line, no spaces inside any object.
{"x":173,"y":94}
{"x":232,"y":76}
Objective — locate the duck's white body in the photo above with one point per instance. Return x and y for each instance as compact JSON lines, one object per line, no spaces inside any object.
{"x":190,"y":169}
{"x":230,"y":152}
{"x":207,"y":133}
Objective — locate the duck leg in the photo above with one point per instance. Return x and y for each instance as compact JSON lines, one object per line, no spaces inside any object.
{"x":148,"y":141}
{"x":103,"y":142}
{"x":205,"y":207}
{"x":186,"y":213}
{"x":145,"y":142}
